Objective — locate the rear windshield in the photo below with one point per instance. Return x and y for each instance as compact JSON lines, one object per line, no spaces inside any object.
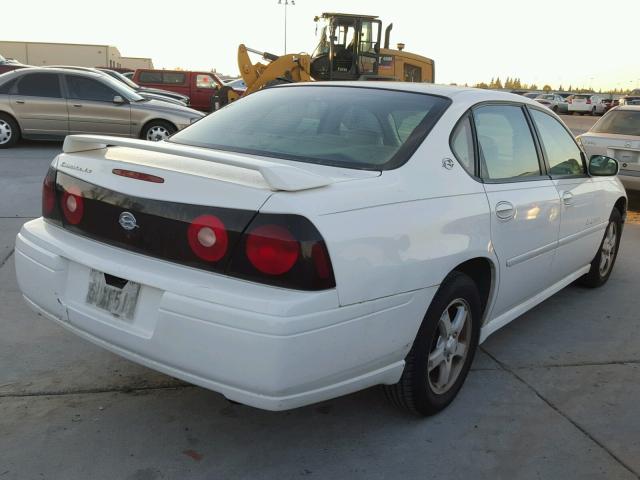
{"x":353,"y":127}
{"x":621,"y":122}
{"x":582,"y":96}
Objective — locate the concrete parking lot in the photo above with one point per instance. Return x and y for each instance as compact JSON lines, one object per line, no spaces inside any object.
{"x":554,"y":395}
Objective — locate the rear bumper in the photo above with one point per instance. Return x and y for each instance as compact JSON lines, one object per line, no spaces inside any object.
{"x":263,"y":346}
{"x":630,"y":182}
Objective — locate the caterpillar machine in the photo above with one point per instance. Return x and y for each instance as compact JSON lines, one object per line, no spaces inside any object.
{"x":348,"y":49}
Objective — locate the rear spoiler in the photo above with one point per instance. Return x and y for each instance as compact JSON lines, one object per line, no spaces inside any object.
{"x":277,"y":176}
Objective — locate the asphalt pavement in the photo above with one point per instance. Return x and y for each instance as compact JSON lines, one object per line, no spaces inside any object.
{"x":554,"y":395}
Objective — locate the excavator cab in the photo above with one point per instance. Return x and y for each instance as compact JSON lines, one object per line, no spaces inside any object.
{"x":348,"y":48}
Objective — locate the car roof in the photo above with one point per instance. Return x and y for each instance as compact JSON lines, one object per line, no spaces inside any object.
{"x":82,"y":70}
{"x":466,"y":94}
{"x":629,"y":107}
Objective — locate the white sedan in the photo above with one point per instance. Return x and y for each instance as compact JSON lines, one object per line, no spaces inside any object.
{"x":311,"y":240}
{"x":617,"y":135}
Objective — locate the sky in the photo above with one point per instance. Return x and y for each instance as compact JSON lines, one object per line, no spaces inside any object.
{"x":568,"y":42}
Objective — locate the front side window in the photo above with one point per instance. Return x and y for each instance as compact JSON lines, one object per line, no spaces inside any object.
{"x":205,"y":81}
{"x":82,"y":88}
{"x":40,"y":85}
{"x":351,"y":127}
{"x":620,"y":122}
{"x":562,"y":153}
{"x":462,"y":145}
{"x":506,"y":143}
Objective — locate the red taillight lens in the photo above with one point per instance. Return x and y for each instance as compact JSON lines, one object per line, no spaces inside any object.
{"x":49,"y":193}
{"x":588,"y":101}
{"x":272,"y":249}
{"x":72,"y":205}
{"x":208,"y":238}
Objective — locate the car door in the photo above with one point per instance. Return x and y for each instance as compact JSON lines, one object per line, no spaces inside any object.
{"x":39,"y":105}
{"x":582,"y":211}
{"x":524,"y":203}
{"x":92,"y":109}
{"x":203,"y":88}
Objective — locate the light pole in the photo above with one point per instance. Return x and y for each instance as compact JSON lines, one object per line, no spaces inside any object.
{"x":286,"y":4}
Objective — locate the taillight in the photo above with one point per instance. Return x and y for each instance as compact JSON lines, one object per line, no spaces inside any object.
{"x":207,"y":237}
{"x":272,"y":249}
{"x":588,"y":101}
{"x":284,"y":250}
{"x":49,"y":193}
{"x":72,"y":204}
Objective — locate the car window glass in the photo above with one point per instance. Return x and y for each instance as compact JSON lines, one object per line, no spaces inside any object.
{"x":6,"y":87}
{"x":506,"y":143}
{"x":406,"y":121}
{"x":560,"y":149}
{"x":82,"y":88}
{"x":40,"y":85}
{"x":151,"y":77}
{"x":621,"y":122}
{"x":205,"y":81}
{"x":462,"y":145}
{"x":173,"y":78}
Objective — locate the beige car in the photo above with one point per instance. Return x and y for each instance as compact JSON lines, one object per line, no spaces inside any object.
{"x":49,"y":103}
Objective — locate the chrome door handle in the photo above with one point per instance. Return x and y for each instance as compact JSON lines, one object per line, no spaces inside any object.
{"x":567,"y":198}
{"x":505,"y":210}
{"x":77,"y":105}
{"x":20,"y":101}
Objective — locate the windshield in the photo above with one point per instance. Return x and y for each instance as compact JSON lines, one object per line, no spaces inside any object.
{"x":122,"y":89}
{"x":621,"y":122}
{"x":352,"y":127}
{"x":128,"y":82}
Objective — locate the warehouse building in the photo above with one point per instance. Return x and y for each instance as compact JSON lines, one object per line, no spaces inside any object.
{"x":41,"y":54}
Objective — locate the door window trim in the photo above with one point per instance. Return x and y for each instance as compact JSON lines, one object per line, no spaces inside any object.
{"x":544,"y":155}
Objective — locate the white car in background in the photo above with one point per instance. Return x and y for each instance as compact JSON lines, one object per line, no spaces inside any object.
{"x":617,"y":135}
{"x":312,"y":240}
{"x":586,"y":103}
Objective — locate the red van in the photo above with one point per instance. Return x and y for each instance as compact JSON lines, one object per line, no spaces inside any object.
{"x":198,"y":86}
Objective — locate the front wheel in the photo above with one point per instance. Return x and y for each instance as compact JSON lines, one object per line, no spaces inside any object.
{"x":157,"y":130}
{"x":443,"y":350}
{"x":9,"y":131}
{"x":603,"y":262}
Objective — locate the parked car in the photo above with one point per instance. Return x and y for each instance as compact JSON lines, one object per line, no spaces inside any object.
{"x":49,"y":103}
{"x":198,"y":86}
{"x":550,"y":100}
{"x":158,"y":93}
{"x":7,"y":65}
{"x":586,"y":103}
{"x":531,"y":95}
{"x":317,"y":239}
{"x":617,"y":135}
{"x":237,"y":84}
{"x":630,"y":100}
{"x":609,"y":103}
{"x":129,"y":75}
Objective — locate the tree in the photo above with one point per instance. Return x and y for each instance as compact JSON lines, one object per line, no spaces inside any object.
{"x":498,"y":83}
{"x":547,"y":88}
{"x":560,"y":88}
{"x":533,"y":86}
{"x":481,"y":85}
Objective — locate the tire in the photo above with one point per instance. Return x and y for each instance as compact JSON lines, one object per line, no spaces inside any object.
{"x":593,"y":112}
{"x":605,"y":259}
{"x":9,"y":131}
{"x":422,"y":391}
{"x":555,"y":109}
{"x":157,"y":130}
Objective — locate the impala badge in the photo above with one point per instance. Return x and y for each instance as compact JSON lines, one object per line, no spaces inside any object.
{"x":128,"y":221}
{"x":447,"y":163}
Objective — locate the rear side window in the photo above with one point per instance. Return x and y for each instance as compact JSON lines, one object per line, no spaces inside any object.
{"x":40,"y":85}
{"x":462,"y":144}
{"x":173,"y":78}
{"x":82,"y":88}
{"x":352,"y":127}
{"x":5,"y":88}
{"x":506,"y":143}
{"x":151,"y":77}
{"x":561,"y":151}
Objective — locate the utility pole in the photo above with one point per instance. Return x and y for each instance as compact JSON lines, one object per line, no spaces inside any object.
{"x":286,"y":4}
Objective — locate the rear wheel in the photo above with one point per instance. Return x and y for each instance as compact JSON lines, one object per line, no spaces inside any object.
{"x":603,"y":262}
{"x":555,"y":109}
{"x":9,"y":131}
{"x":157,"y":130}
{"x":593,"y":112}
{"x":443,"y":350}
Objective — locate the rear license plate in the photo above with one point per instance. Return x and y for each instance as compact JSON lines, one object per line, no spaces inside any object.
{"x":626,"y":156}
{"x":119,"y":300}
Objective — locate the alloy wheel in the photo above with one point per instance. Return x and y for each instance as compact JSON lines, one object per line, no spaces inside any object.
{"x":450,"y":346}
{"x":608,"y":250}
{"x":157,"y":133}
{"x":5,"y":132}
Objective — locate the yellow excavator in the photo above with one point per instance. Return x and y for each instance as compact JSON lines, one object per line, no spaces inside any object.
{"x":348,"y":49}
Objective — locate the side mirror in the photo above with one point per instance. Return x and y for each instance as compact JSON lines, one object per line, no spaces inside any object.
{"x":602,"y":166}
{"x":118,"y":100}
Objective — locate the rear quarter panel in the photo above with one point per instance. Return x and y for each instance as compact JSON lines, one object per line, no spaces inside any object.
{"x":402,"y":231}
